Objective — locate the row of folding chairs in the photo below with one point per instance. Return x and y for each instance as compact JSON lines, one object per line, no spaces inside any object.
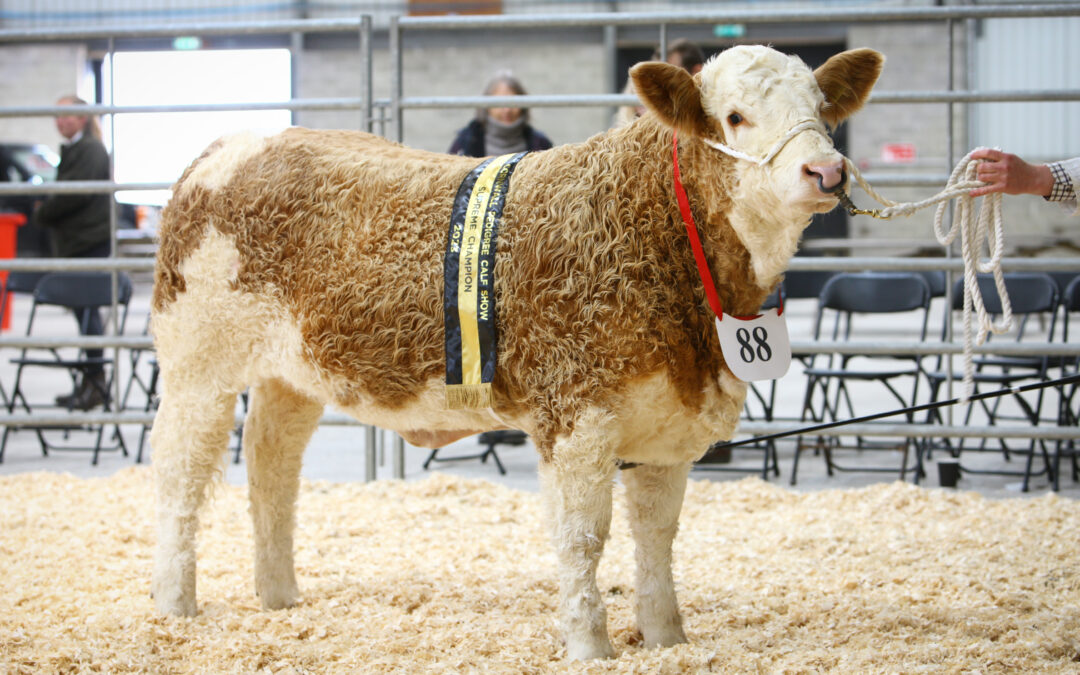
{"x":76,"y":292}
{"x":79,"y":293}
{"x":1039,"y":304}
{"x":903,"y":305}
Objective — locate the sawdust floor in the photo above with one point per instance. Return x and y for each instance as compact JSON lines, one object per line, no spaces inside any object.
{"x":449,"y":575}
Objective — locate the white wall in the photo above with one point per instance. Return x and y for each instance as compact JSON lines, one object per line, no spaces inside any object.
{"x":463,"y":69}
{"x":1028,"y":54}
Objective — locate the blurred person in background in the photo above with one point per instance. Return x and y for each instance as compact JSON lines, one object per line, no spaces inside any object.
{"x":500,"y":131}
{"x":79,"y":224}
{"x":682,"y":53}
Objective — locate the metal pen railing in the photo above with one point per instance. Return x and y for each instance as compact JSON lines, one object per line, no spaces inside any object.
{"x":391,"y":110}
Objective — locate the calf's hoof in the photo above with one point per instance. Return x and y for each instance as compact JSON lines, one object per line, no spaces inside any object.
{"x":174,"y":604}
{"x":588,"y":649}
{"x":667,"y":636}
{"x":280,"y":599}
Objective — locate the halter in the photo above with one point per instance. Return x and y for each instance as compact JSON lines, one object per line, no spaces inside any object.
{"x":800,"y":126}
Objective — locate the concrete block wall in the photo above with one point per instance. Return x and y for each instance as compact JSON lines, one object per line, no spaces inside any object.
{"x":916,"y":59}
{"x":545,"y":64}
{"x":37,"y":75}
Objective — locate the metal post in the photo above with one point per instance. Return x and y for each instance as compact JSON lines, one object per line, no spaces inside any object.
{"x":949,"y":163}
{"x":399,"y":457}
{"x":369,"y":453}
{"x":611,"y":55}
{"x":380,"y":444}
{"x":380,"y":121}
{"x":663,"y":42}
{"x":114,"y":319}
{"x":367,"y":124}
{"x":296,"y":49}
{"x":396,"y":79}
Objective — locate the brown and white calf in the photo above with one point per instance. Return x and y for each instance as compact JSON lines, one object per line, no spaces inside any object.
{"x":308,"y":266}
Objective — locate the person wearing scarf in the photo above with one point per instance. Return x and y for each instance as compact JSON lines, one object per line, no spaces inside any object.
{"x":500,"y":131}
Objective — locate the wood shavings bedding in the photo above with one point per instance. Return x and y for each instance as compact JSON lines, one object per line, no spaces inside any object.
{"x":448,"y":575}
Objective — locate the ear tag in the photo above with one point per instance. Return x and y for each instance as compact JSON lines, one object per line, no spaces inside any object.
{"x":755,"y":348}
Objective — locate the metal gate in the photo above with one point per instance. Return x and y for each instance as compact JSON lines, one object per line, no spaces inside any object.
{"x":385,"y":116}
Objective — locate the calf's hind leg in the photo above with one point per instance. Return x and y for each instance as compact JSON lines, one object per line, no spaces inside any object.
{"x":189,"y":437}
{"x":654,"y":495}
{"x":279,"y":425}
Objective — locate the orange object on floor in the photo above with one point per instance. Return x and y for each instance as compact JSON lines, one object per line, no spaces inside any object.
{"x":8,"y":223}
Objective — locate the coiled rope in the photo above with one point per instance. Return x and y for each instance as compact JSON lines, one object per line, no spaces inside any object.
{"x":974,"y":231}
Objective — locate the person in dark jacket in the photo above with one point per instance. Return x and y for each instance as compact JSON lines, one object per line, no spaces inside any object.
{"x":500,"y":131}
{"x":79,"y":224}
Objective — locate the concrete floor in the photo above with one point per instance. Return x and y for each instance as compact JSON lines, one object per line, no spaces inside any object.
{"x":337,"y":453}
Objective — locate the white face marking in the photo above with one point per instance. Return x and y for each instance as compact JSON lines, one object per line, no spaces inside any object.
{"x":770,"y":93}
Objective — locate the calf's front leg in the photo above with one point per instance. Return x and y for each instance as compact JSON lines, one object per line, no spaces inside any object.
{"x":577,"y":494}
{"x":654,"y":496}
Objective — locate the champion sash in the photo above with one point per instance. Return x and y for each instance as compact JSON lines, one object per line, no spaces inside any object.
{"x":469,"y":283}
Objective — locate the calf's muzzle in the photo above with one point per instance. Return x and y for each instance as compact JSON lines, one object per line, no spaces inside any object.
{"x":830,"y":176}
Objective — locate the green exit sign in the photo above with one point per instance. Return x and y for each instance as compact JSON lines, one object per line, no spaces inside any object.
{"x":187,"y":42}
{"x":729,"y":30}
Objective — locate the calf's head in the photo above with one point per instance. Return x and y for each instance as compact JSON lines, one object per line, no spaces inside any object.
{"x":769,"y":112}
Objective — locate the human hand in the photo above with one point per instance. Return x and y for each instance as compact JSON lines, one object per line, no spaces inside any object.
{"x":1009,"y":174}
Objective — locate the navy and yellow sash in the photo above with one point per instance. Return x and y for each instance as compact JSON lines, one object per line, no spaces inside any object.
{"x":469,"y":283}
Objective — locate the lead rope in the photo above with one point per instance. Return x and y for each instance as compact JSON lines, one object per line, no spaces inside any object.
{"x":987,"y":226}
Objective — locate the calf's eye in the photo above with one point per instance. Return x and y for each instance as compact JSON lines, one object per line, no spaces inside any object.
{"x":734,"y":119}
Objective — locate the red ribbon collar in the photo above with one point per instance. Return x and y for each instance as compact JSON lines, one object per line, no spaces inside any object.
{"x":695,"y":240}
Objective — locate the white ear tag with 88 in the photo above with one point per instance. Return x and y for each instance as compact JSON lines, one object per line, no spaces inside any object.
{"x":755,"y":348}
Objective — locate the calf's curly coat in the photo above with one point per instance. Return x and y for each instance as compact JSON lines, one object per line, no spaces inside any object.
{"x":308,"y":266}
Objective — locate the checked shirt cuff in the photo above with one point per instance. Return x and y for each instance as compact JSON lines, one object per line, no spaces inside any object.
{"x":1063,"y":187}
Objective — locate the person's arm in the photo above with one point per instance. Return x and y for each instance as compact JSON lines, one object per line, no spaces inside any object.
{"x":1008,"y":173}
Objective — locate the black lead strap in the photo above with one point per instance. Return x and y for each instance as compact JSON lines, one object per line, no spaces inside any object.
{"x":1072,"y":379}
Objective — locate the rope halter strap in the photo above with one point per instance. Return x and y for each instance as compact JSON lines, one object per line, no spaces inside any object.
{"x":799,"y":127}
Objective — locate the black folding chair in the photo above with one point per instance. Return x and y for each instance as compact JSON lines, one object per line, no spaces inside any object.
{"x":1063,"y":279}
{"x":1034,"y":301}
{"x":78,"y":292}
{"x":936,"y":281}
{"x":21,"y":283}
{"x":805,"y":284}
{"x":142,"y":381}
{"x":17,"y":283}
{"x":489,"y":439}
{"x":863,"y":298}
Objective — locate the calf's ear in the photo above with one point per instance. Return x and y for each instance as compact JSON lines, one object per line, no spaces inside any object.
{"x":846,"y":80}
{"x":672,"y":94}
